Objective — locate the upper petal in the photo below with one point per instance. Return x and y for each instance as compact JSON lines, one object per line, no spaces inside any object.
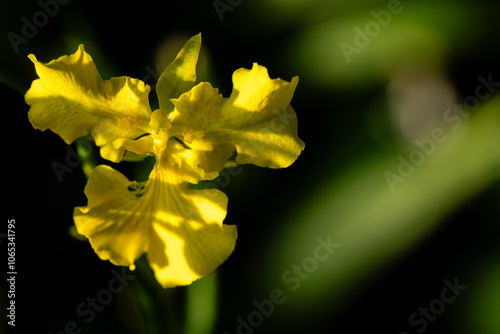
{"x":259,"y":95}
{"x":180,"y":75}
{"x":257,"y":119}
{"x":70,"y":98}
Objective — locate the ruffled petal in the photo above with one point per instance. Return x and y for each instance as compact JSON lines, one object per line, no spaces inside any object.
{"x":115,"y":219}
{"x":71,"y":99}
{"x":180,"y":229}
{"x":189,"y":239}
{"x":257,"y":119}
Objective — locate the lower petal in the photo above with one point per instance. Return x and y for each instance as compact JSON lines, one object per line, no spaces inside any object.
{"x":192,"y":242}
{"x":115,"y":221}
{"x":181,"y":229}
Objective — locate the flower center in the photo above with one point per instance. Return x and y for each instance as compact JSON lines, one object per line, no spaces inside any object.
{"x":160,"y":133}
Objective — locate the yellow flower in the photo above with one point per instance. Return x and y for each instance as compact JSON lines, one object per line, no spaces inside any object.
{"x":191,"y":136}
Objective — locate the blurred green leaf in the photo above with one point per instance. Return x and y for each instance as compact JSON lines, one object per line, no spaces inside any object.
{"x":373,"y":224}
{"x":367,"y":46}
{"x":486,"y":300}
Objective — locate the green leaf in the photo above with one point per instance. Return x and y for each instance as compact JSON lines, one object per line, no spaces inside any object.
{"x":180,"y":76}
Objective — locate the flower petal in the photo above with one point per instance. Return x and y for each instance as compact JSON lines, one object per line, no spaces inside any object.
{"x":257,"y":119}
{"x":180,"y":75}
{"x":141,"y":146}
{"x":114,"y":220}
{"x":197,"y":165}
{"x":190,"y":241}
{"x":181,"y":229}
{"x":70,"y":98}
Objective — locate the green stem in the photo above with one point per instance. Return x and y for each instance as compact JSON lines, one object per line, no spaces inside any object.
{"x":201,"y":306}
{"x":146,"y":306}
{"x":161,"y":308}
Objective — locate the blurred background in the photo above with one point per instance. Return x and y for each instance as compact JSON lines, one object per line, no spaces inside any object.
{"x":398,"y":105}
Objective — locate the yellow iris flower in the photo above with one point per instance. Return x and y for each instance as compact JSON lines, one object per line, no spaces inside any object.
{"x":192,"y":135}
